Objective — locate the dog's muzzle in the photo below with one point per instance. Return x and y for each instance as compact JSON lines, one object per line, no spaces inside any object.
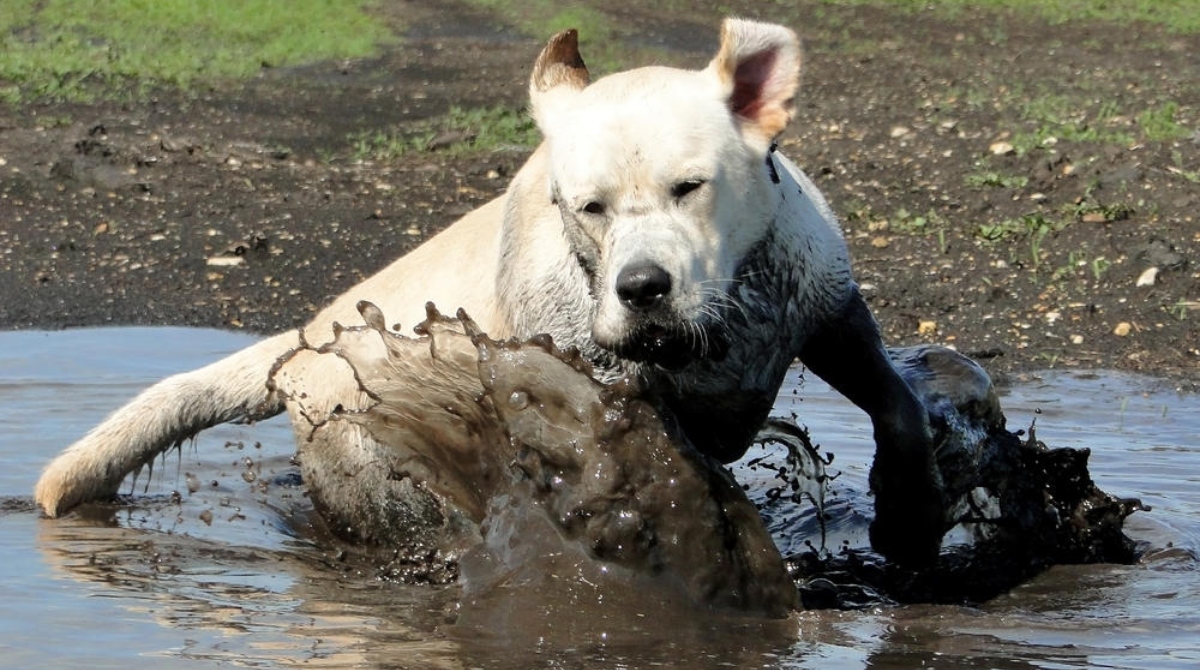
{"x":657,"y":335}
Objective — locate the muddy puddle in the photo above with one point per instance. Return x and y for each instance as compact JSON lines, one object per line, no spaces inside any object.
{"x":215,"y":560}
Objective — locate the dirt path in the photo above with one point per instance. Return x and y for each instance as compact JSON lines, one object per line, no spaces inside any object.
{"x":1024,"y":192}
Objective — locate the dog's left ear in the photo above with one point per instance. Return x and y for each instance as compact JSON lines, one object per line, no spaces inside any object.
{"x":758,"y":66}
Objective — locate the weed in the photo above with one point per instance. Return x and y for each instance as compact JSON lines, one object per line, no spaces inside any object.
{"x":1100,"y":265}
{"x":1035,"y":243}
{"x":1098,"y":212}
{"x":1011,"y":228}
{"x":996,"y":180}
{"x":1182,"y":308}
{"x":1050,"y":358}
{"x":931,"y":223}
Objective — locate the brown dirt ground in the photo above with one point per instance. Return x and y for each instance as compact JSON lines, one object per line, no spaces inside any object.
{"x":111,"y":212}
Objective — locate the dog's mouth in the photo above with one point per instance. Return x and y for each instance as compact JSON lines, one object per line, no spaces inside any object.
{"x":671,"y":347}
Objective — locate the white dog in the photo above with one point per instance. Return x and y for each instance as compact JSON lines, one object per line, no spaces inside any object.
{"x":656,"y":230}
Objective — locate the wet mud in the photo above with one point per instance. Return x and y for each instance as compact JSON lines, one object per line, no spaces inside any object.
{"x":518,"y":446}
{"x":532,"y":467}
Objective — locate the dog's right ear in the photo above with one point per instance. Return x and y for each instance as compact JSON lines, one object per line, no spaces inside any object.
{"x":559,"y":70}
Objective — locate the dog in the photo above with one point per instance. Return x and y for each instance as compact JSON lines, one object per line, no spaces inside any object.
{"x":657,"y":230}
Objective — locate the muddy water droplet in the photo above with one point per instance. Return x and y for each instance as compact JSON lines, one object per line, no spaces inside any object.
{"x":518,"y":400}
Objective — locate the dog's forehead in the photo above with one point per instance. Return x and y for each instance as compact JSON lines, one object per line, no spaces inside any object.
{"x":653,"y":118}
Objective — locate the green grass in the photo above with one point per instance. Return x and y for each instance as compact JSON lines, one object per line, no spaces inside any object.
{"x":1159,"y":124}
{"x":993,"y":179}
{"x":601,"y":49}
{"x":1057,"y":117}
{"x":67,"y":49}
{"x":478,"y":129}
{"x":1178,"y":16}
{"x":1066,"y":118}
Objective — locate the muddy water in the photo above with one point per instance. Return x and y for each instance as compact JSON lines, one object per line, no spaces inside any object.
{"x":212,"y":562}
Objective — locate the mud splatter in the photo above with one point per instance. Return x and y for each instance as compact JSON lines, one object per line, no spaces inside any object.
{"x":553,"y":466}
{"x":535,"y":468}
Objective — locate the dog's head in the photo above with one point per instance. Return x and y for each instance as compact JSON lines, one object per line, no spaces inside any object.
{"x":662,"y":180}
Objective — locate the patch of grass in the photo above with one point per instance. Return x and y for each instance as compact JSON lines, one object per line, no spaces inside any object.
{"x":1008,"y":228}
{"x":64,"y":49}
{"x":1077,"y":261}
{"x":993,"y":179}
{"x":459,"y":131}
{"x":1032,"y":227}
{"x":1090,"y":210}
{"x":1178,"y":16}
{"x":929,"y":224}
{"x":1062,"y":118}
{"x":905,"y":222}
{"x":1159,"y":124}
{"x":602,"y":51}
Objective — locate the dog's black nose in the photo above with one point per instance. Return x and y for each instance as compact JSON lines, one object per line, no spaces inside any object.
{"x":643,"y":285}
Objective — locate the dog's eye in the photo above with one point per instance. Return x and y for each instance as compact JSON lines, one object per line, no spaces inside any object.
{"x":594,"y":207}
{"x":683,"y":188}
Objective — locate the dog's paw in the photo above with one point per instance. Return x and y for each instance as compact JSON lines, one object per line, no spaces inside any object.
{"x":910,"y":517}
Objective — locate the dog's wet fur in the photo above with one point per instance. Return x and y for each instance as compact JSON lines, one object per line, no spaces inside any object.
{"x":655,"y":230}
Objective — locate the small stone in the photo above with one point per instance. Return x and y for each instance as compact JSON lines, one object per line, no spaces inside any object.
{"x":880,"y":242}
{"x":1123,"y":329}
{"x":927,"y":327}
{"x":1002,"y":148}
{"x":1095,"y":217}
{"x":1148,"y":277}
{"x":899,"y":131}
{"x":225,"y":261}
{"x":1077,"y":339}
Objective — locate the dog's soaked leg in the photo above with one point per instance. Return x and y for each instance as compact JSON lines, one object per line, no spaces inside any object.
{"x":172,"y":410}
{"x":848,"y":353}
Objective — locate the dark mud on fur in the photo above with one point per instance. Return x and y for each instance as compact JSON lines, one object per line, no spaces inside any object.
{"x":1018,"y":505}
{"x":1050,"y":513}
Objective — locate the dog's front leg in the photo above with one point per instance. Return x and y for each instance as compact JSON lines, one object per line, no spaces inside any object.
{"x":848,"y":353}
